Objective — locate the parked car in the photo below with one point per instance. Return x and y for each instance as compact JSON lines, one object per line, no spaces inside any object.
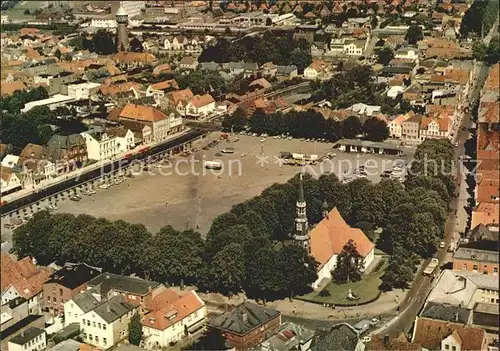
{"x":442,"y":244}
{"x":74,"y":198}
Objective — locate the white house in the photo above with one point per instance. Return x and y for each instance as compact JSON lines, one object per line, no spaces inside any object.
{"x":158,"y":90}
{"x":80,"y":304}
{"x":178,"y":318}
{"x":394,"y":91}
{"x":327,"y":240}
{"x":9,"y":180}
{"x":83,"y":90}
{"x":435,"y":128}
{"x":395,"y":126}
{"x":101,"y":146}
{"x":31,"y":339}
{"x":107,"y":324}
{"x":318,"y":69}
{"x":10,"y":161}
{"x":200,"y":105}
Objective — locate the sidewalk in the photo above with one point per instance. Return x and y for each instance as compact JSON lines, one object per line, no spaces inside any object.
{"x":386,"y":304}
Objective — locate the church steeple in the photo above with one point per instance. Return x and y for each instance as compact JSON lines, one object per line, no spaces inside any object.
{"x":301,"y":234}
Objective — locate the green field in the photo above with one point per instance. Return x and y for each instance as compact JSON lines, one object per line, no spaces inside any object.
{"x":366,"y":289}
{"x":17,"y":12}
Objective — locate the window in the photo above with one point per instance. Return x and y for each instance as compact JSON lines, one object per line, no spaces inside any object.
{"x":85,"y":335}
{"x":83,"y":320}
{"x":447,"y":347}
{"x":104,"y":341}
{"x":99,"y":325}
{"x":104,"y":326}
{"x":61,"y":292}
{"x":90,"y":337}
{"x":54,"y":299}
{"x":96,"y":339}
{"x":495,"y":269}
{"x":93,"y":324}
{"x":454,"y":348}
{"x":475,"y":267}
{"x":88,"y":323}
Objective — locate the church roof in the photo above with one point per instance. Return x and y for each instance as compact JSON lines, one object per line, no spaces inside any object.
{"x":330,"y":235}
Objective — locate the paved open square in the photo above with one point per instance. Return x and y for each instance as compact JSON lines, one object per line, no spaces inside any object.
{"x":185,"y":195}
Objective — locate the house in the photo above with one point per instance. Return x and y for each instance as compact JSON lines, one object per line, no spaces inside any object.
{"x":435,"y":127}
{"x":34,"y":161}
{"x":396,"y":126}
{"x":210,"y":66}
{"x":410,"y":129}
{"x":137,"y":291}
{"x":159,"y":90}
{"x":290,"y":336}
{"x":234,"y":68}
{"x":446,"y":312}
{"x":188,"y":63}
{"x":286,"y":72}
{"x":158,"y":121}
{"x":179,"y":42}
{"x":70,"y":150}
{"x":318,"y":69}
{"x":470,"y":258}
{"x":28,"y":285}
{"x":260,"y":84}
{"x":339,"y":337}
{"x":83,"y":90}
{"x":9,"y":88}
{"x":80,"y":304}
{"x":31,"y":339}
{"x":406,"y":54}
{"x":107,"y":324}
{"x":486,"y":214}
{"x":268,"y":69}
{"x":64,"y":284}
{"x":378,"y":343}
{"x":163,"y":68}
{"x":247,"y":325}
{"x":327,"y":240}
{"x":200,"y":106}
{"x":174,"y":318}
{"x":13,"y":312}
{"x":9,"y":180}
{"x":142,"y":132}
{"x":180,"y":99}
{"x":441,"y":335}
{"x":104,"y":146}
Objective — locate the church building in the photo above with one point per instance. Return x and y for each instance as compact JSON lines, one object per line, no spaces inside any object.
{"x":326,"y":240}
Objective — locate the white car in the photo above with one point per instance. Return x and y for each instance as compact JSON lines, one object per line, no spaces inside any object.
{"x":243,"y":155}
{"x":456,"y":144}
{"x":366,"y":339}
{"x":442,"y":244}
{"x":290,"y":138}
{"x":262,"y":140}
{"x":103,"y":186}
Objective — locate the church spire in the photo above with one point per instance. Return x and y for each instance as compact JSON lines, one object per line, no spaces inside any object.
{"x":301,"y":234}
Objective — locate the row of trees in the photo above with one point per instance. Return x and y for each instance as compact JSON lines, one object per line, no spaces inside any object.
{"x":102,"y":42}
{"x":416,"y":224}
{"x":15,"y":102}
{"x":489,"y":53}
{"x":307,"y":124}
{"x":479,"y":18}
{"x":278,"y":47}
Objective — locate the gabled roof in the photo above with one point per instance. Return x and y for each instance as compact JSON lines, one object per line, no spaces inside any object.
{"x":341,"y":337}
{"x":132,"y":285}
{"x":72,"y":276}
{"x":171,"y":83}
{"x":173,"y":311}
{"x":13,"y":271}
{"x":181,"y":95}
{"x":201,"y":100}
{"x":244,"y":318}
{"x":113,"y":308}
{"x":444,"y":312}
{"x":66,"y":141}
{"x":86,"y":301}
{"x":142,"y":113}
{"x":10,"y":88}
{"x":330,"y":235}
{"x":429,"y":333}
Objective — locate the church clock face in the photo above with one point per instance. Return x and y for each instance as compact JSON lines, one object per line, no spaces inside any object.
{"x":299,"y":226}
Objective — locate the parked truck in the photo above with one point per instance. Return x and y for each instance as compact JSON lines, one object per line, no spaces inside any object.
{"x":431,"y":267}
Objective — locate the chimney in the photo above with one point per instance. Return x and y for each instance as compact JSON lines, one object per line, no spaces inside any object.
{"x":456,"y":316}
{"x":107,"y":308}
{"x":244,"y":317}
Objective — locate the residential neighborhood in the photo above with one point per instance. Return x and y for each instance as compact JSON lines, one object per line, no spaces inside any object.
{"x":262,"y":175}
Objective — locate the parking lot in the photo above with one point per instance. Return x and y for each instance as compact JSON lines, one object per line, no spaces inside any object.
{"x":184,"y":194}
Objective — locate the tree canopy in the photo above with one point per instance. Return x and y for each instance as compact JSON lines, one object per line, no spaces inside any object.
{"x":414,"y":34}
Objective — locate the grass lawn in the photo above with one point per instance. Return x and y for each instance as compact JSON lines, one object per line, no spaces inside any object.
{"x":366,"y":289}
{"x":17,"y":12}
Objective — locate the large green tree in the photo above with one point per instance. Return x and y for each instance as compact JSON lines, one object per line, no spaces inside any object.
{"x":351,"y":127}
{"x":414,"y":34}
{"x":375,"y":129}
{"x":135,"y":330}
{"x":349,"y":264}
{"x":385,"y":55}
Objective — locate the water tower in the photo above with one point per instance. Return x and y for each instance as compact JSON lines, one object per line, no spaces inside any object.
{"x":121,"y":32}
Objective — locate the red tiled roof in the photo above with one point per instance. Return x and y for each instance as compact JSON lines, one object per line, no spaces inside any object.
{"x":142,"y":113}
{"x":430,"y":332}
{"x":201,"y":100}
{"x":332,"y":233}
{"x":13,"y":271}
{"x":10,"y":88}
{"x":165,"y":85}
{"x":173,"y":312}
{"x":181,"y":95}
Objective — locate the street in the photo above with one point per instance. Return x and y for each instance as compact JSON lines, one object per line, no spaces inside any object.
{"x":456,"y":222}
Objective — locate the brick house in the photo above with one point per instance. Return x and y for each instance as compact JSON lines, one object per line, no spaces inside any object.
{"x":475,"y":258}
{"x":64,"y":284}
{"x":247,"y":325}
